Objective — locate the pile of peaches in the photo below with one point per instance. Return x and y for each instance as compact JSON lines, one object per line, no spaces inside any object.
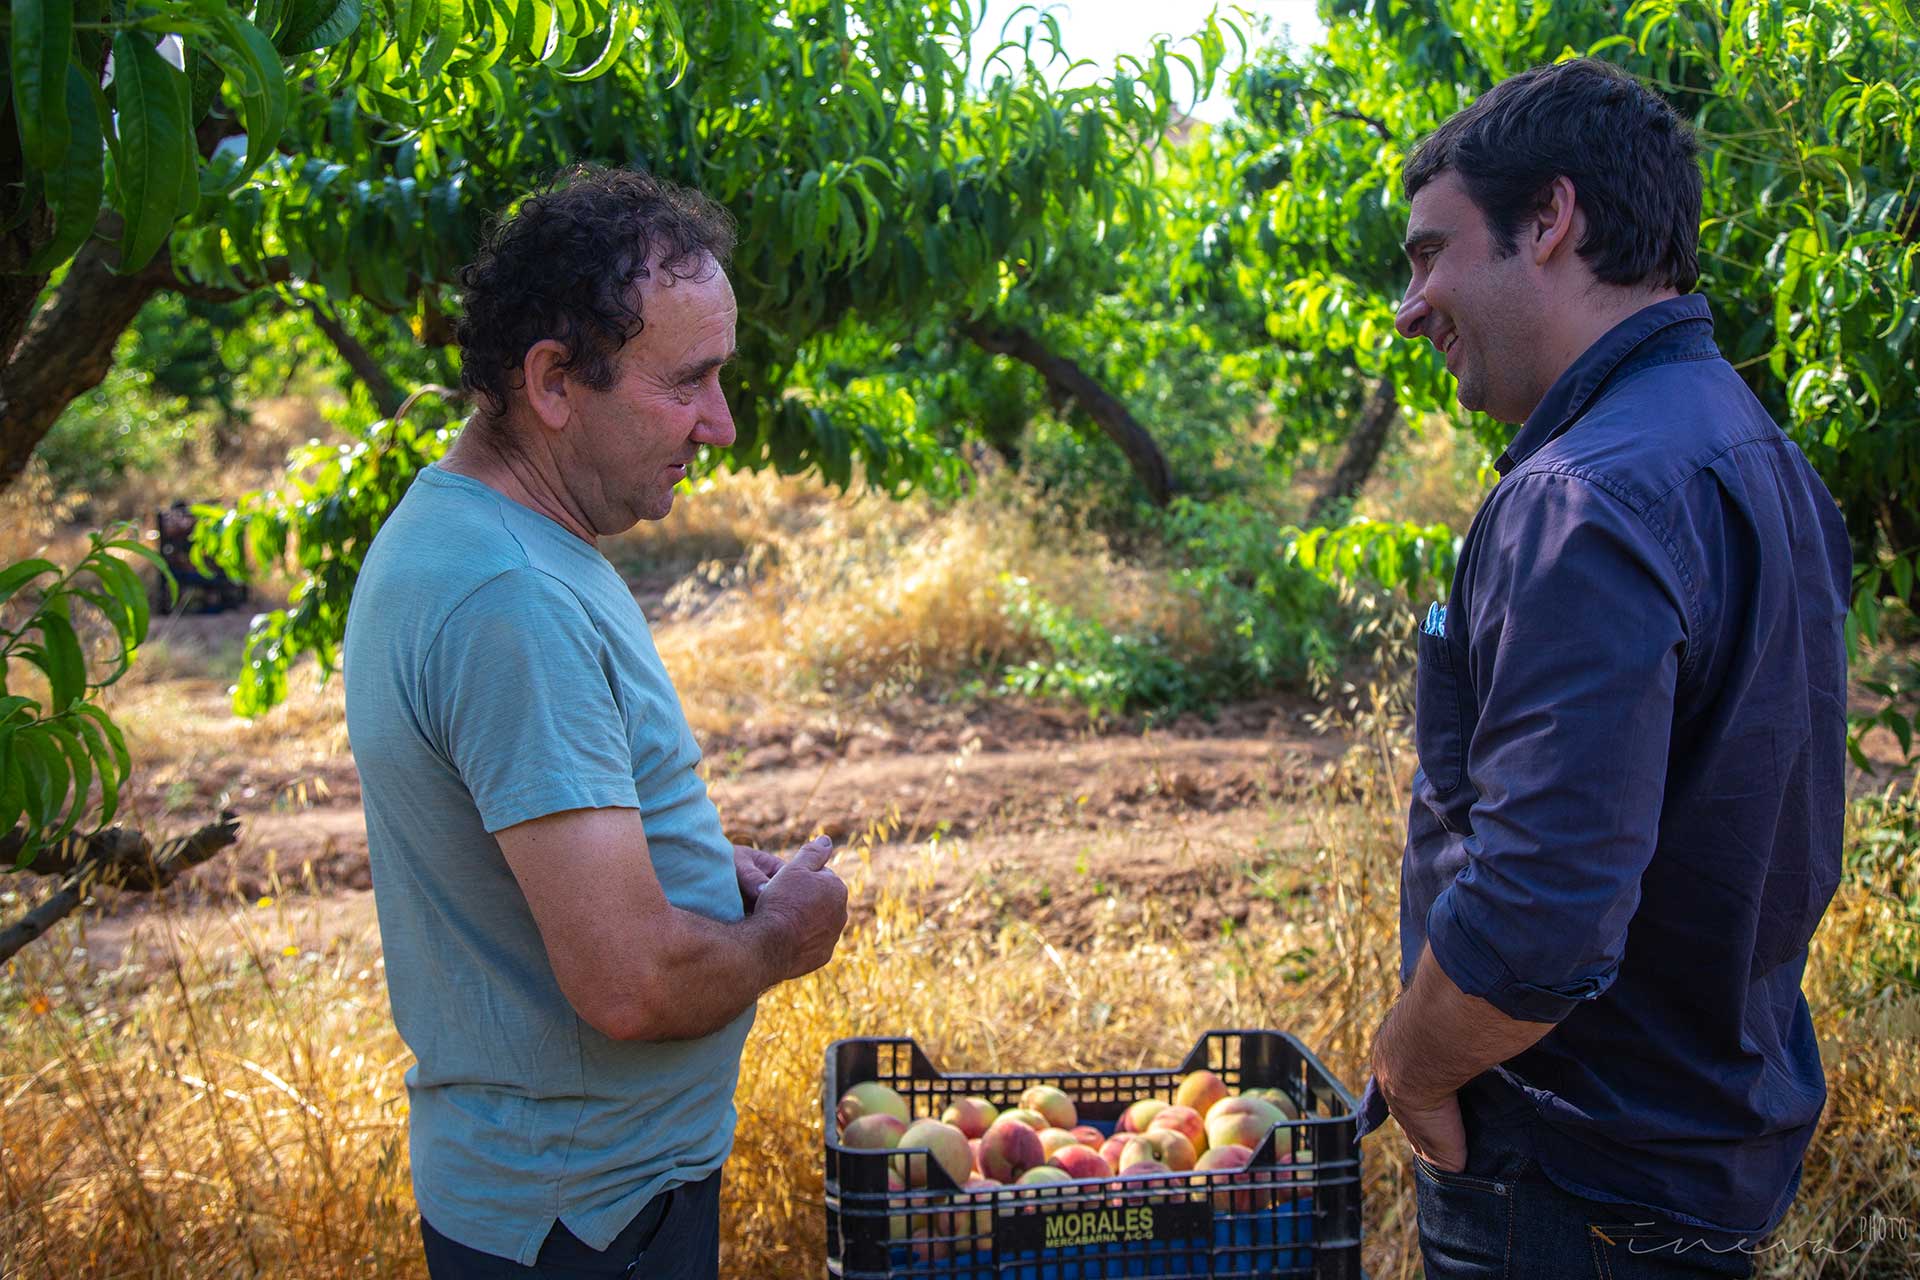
{"x":1205,"y":1128}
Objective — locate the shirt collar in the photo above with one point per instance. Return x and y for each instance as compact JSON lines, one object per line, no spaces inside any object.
{"x":1574,"y":390}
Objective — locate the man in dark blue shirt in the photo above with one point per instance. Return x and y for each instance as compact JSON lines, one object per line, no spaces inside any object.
{"x":1630,"y":722}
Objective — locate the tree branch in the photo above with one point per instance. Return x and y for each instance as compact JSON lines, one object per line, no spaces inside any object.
{"x":1373,"y":122}
{"x":274,"y":271}
{"x":1067,"y":381}
{"x":115,"y":858}
{"x":387,"y":395}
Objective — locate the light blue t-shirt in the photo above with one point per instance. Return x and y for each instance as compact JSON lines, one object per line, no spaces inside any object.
{"x":498,"y":670}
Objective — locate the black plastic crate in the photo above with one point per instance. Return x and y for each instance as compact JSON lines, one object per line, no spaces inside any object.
{"x":1294,"y":1217}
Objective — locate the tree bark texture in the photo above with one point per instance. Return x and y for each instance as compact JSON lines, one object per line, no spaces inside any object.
{"x":1364,"y":445}
{"x":1068,"y":381}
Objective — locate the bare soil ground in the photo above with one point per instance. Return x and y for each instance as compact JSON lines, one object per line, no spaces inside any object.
{"x":1046,"y":820}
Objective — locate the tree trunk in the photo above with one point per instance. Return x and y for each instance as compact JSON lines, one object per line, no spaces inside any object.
{"x":1364,"y":445}
{"x":68,"y":346}
{"x":387,"y":396}
{"x":55,"y":349}
{"x":1069,"y":381}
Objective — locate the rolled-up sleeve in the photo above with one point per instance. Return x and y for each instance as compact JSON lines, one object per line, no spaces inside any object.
{"x":1576,"y":634}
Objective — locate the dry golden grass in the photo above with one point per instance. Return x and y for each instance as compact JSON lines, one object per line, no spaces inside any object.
{"x":234,"y":1110}
{"x":841,"y":597}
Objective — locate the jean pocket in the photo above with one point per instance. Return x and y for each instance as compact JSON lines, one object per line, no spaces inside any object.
{"x":1460,"y":1181}
{"x":1439,"y":726}
{"x":1466,"y":1224}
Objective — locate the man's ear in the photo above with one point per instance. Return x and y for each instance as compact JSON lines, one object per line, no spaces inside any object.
{"x":1557,"y":220}
{"x":547,"y":385}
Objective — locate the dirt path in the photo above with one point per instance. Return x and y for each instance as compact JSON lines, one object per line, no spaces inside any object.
{"x":1013,"y":815}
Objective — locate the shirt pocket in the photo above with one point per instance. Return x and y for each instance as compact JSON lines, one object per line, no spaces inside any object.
{"x":1439,"y":727}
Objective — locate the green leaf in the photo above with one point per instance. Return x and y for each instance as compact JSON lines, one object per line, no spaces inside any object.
{"x":80,"y":765}
{"x":65,"y":664}
{"x":78,"y":181}
{"x":119,"y":578}
{"x":41,"y":45}
{"x":154,"y":157}
{"x":316,"y":24}
{"x":14,"y":577}
{"x":253,"y":67}
{"x":107,"y":765}
{"x":36,"y":780}
{"x":446,"y":38}
{"x":625,"y":15}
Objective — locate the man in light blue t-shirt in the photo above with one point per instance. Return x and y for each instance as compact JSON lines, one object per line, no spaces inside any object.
{"x":573,"y":946}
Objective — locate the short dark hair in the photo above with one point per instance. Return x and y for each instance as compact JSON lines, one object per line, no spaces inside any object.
{"x":1633,"y":162}
{"x":563,"y":266}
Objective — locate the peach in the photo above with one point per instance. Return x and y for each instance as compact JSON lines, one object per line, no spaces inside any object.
{"x":973,"y":1145}
{"x":959,"y":1230}
{"x":1081,"y":1162}
{"x":1227,"y":1160}
{"x":896,"y":1222}
{"x":1182,"y":1120}
{"x":1089,"y":1136}
{"x":1241,"y":1121}
{"x":1044,"y":1173}
{"x":1110,"y":1150}
{"x":876,"y":1131}
{"x":1009,"y":1149}
{"x":947,"y":1147}
{"x":1054,"y":1139}
{"x":867,"y":1098}
{"x":1136,"y":1117}
{"x":1026,"y":1116}
{"x":970,"y":1116}
{"x":1165,"y":1146}
{"x":1052,"y":1103}
{"x":1200,"y":1090}
{"x":1144,"y":1169}
{"x":1280,"y":1098}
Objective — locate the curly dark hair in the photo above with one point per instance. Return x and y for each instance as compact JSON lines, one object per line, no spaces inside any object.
{"x":563,"y":266}
{"x":1632,"y":160}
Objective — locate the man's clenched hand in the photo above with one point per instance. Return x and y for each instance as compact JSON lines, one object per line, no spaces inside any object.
{"x":806,"y":903}
{"x":753,"y":868}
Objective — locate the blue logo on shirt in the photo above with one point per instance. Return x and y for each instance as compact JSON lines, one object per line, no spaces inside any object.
{"x":1436,"y":623}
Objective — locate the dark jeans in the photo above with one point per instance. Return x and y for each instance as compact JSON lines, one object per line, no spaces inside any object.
{"x":675,"y":1236}
{"x":1503,"y":1219}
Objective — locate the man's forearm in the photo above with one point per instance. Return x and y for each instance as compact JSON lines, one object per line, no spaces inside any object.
{"x":694,"y":976}
{"x":1436,"y":1038}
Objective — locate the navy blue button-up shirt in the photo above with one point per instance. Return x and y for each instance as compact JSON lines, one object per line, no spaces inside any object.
{"x":1627,"y":819}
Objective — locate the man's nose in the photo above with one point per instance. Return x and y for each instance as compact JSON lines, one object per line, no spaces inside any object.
{"x":1413,"y":311}
{"x":716,"y":421}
